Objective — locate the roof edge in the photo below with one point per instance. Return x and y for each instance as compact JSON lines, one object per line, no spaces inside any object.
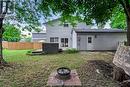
{"x":100,"y":31}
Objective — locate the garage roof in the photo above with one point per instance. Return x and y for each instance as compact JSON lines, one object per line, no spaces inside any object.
{"x":100,"y":30}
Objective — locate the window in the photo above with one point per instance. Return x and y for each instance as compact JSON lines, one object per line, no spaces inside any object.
{"x":64,"y":42}
{"x":89,"y":39}
{"x":54,"y":39}
{"x":66,"y":25}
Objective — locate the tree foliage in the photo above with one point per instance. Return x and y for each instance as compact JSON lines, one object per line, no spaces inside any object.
{"x":30,"y":11}
{"x":118,"y":20}
{"x":86,"y":10}
{"x":30,"y":28}
{"x":11,"y":33}
{"x":26,"y":11}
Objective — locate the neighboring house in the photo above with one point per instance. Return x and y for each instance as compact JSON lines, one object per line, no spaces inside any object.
{"x":39,"y":36}
{"x":82,"y":37}
{"x":25,"y":34}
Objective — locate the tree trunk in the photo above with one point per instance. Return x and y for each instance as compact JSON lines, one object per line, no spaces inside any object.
{"x":2,"y":61}
{"x":1,"y":54}
{"x":128,"y":31}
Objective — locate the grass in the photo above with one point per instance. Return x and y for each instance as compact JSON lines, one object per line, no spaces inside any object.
{"x":19,"y":56}
{"x":15,"y":55}
{"x":33,"y":71}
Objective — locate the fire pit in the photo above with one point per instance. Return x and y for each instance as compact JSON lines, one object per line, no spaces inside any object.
{"x":70,"y":79}
{"x":63,"y":73}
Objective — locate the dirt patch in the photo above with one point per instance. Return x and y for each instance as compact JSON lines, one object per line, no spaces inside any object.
{"x":102,"y":67}
{"x":97,"y":73}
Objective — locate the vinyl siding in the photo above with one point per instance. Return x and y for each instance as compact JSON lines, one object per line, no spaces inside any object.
{"x":38,"y":37}
{"x":102,"y":41}
{"x":57,"y":30}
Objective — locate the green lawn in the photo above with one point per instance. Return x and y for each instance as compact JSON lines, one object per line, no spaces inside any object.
{"x":15,"y":55}
{"x":33,"y":71}
{"x":19,"y":56}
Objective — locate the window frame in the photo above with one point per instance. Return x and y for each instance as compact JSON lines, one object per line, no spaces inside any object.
{"x":64,"y":42}
{"x":54,"y":39}
{"x":66,"y":25}
{"x":89,"y":40}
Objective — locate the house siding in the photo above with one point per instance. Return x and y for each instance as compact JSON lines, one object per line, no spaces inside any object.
{"x":74,"y":40}
{"x":102,"y":41}
{"x":36,"y":37}
{"x":58,"y":30}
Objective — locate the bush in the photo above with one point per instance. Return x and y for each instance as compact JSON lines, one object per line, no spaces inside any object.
{"x":29,"y":52}
{"x":72,"y":50}
{"x":11,"y":33}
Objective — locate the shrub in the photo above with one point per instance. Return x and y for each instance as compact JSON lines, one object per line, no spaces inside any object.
{"x":72,"y":50}
{"x":11,"y":33}
{"x":29,"y":52}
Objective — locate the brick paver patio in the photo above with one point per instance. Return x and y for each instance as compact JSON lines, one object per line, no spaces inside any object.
{"x":73,"y":81}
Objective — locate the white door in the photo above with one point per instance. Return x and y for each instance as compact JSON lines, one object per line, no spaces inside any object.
{"x":90,"y":39}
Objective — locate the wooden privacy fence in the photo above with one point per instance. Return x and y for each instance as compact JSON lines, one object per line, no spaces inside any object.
{"x":22,"y":45}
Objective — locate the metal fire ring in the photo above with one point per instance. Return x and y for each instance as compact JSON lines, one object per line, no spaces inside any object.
{"x":63,"y":73}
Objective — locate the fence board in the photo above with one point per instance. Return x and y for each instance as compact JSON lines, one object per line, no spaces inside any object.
{"x":37,"y":45}
{"x":22,"y":45}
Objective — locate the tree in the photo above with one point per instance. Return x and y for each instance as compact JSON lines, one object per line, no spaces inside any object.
{"x":30,"y":16}
{"x":118,"y":20}
{"x":11,"y":33}
{"x":32,"y":27}
{"x":4,"y":5}
{"x":87,"y":10}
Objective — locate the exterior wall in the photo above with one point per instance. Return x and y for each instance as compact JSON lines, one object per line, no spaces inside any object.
{"x":58,"y":30}
{"x":36,"y":37}
{"x":102,"y":41}
{"x":74,"y":40}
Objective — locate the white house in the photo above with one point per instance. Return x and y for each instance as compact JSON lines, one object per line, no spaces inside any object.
{"x":82,"y":37}
{"x":98,"y":39}
{"x":39,"y":36}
